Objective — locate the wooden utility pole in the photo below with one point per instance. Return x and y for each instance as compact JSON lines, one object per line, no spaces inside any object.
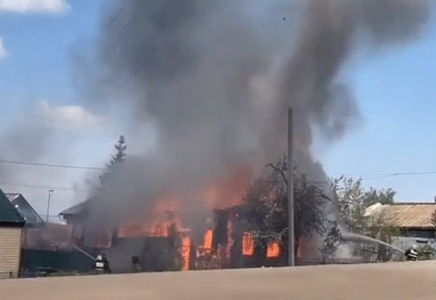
{"x":291,"y":227}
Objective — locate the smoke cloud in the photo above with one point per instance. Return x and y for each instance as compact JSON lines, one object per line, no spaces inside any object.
{"x":216,"y":84}
{"x":44,"y":133}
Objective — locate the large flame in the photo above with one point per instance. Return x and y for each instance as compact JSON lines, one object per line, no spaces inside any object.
{"x":186,"y":252}
{"x":208,"y":240}
{"x":165,"y":218}
{"x":247,"y":244}
{"x":273,"y":250}
{"x":228,"y":190}
{"x":225,"y":192}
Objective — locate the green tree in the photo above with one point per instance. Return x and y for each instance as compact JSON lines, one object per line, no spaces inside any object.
{"x":373,"y":196}
{"x":266,"y":203}
{"x":350,"y":202}
{"x":426,"y":252}
{"x":353,"y":203}
{"x":116,"y":159}
{"x":333,"y":238}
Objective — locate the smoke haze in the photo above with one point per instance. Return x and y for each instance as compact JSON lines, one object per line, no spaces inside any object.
{"x":215,"y":79}
{"x":45,"y":133}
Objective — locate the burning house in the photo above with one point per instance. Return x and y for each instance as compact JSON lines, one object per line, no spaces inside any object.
{"x":163,"y":241}
{"x":204,"y":83}
{"x":159,"y":243}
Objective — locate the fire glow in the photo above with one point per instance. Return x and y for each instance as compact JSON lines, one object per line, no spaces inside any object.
{"x":223,"y":195}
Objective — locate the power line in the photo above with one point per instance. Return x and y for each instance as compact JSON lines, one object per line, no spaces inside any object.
{"x":36,"y":186}
{"x":374,"y":176}
{"x":381,"y":176}
{"x":391,"y":174}
{"x":37,"y":164}
{"x":91,"y":168}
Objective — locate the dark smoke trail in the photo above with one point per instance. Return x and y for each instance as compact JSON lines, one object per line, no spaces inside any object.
{"x":208,"y":79}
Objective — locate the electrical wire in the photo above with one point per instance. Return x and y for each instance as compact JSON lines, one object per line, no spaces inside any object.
{"x":36,"y":186}
{"x":36,"y":164}
{"x":373,"y":176}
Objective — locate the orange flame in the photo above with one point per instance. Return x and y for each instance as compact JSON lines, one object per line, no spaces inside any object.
{"x":104,"y":241}
{"x":208,"y":240}
{"x":224,"y":192}
{"x":247,"y":244}
{"x":186,"y":251}
{"x":273,"y":250}
{"x":164,"y":216}
{"x":229,"y":189}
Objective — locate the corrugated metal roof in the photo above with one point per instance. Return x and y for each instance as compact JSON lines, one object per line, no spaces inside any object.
{"x":8,"y":214}
{"x":409,"y":215}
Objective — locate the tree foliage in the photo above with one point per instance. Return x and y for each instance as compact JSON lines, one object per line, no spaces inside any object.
{"x":426,"y":252}
{"x":266,"y":203}
{"x":333,"y":238}
{"x":353,"y":203}
{"x":116,"y":159}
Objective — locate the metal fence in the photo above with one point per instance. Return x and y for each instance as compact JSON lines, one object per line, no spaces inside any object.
{"x":9,"y":275}
{"x":42,"y":261}
{"x":47,"y":272}
{"x":21,"y":275}
{"x":336,"y":261}
{"x":16,"y":275}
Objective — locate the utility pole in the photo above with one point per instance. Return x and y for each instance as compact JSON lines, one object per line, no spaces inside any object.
{"x":50,"y":192}
{"x":291,"y":225}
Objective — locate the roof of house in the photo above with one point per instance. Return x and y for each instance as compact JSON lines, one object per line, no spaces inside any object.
{"x":407,"y":215}
{"x":76,"y":209}
{"x":24,"y":208}
{"x":12,"y":197}
{"x":8,"y":214}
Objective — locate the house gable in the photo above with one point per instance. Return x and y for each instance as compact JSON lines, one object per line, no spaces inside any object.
{"x":9,"y":216}
{"x":25,"y":209}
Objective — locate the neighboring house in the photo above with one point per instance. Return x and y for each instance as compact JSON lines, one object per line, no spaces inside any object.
{"x":31,"y":217}
{"x":11,"y":228}
{"x":76,"y":216}
{"x":413,"y":220}
{"x":37,"y":234}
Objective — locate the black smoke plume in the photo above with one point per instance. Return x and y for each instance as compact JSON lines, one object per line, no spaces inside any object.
{"x":215,"y":79}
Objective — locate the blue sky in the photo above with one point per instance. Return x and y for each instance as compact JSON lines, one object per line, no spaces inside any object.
{"x":394,"y":90}
{"x":38,"y":67}
{"x":396,"y":96}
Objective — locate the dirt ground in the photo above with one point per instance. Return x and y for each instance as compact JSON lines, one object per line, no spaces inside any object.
{"x":390,"y":281}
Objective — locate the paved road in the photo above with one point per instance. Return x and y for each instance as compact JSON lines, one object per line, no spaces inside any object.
{"x":391,"y":281}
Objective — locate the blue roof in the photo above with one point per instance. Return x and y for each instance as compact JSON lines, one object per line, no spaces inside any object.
{"x":8,"y":214}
